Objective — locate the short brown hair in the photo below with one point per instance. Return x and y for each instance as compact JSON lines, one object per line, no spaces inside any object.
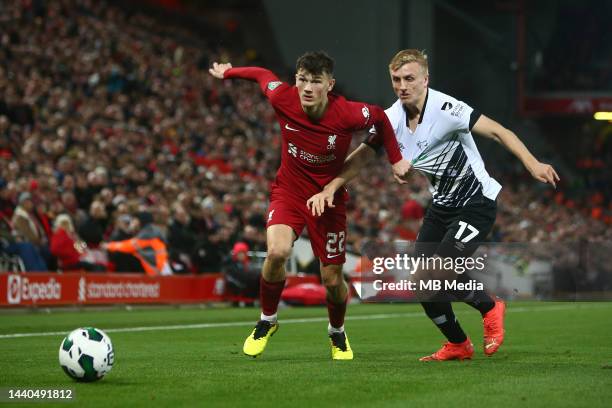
{"x":408,"y":56}
{"x":316,"y":63}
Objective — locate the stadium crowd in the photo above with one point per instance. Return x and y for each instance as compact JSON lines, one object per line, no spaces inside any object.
{"x":111,"y":128}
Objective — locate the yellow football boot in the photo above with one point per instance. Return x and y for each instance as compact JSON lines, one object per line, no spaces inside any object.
{"x":255,"y":344}
{"x":340,"y":347}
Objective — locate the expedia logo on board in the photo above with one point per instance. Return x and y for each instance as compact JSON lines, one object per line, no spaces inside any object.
{"x":21,"y":290}
{"x":13,"y":295}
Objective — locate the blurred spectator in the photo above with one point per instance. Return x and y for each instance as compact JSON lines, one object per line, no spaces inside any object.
{"x":411,"y":219}
{"x":69,"y":249}
{"x":124,"y":262}
{"x":94,"y":225}
{"x":7,"y":205}
{"x":25,"y":223}
{"x":211,"y":251}
{"x":241,"y":280}
{"x":30,"y":239}
{"x":148,"y":246}
{"x":181,"y":240}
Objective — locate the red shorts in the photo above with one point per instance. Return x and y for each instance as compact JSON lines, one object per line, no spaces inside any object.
{"x":327,"y":233}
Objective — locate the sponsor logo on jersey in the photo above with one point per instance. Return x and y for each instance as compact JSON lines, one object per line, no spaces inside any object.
{"x":452,"y":173}
{"x":273,"y":85}
{"x":310,"y":158}
{"x":401,"y":146}
{"x":447,"y":106}
{"x":290,"y":128}
{"x":315,"y":158}
{"x":331,"y":142}
{"x":422,"y":144}
{"x":366,"y":113}
{"x":458,"y":110}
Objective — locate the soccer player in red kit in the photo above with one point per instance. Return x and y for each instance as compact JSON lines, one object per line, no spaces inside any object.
{"x":316,"y":128}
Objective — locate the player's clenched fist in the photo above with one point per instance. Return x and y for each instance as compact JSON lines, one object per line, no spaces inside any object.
{"x":401,"y":170}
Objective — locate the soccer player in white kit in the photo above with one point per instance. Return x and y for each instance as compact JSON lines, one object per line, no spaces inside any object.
{"x":434,"y":132}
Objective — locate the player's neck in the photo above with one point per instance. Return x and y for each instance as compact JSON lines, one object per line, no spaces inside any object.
{"x":316,"y":112}
{"x":414,"y":111}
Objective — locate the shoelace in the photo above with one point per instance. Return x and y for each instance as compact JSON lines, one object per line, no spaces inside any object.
{"x":261,"y":329}
{"x":339,"y":340}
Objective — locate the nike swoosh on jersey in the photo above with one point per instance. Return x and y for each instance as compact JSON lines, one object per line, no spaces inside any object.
{"x":290,"y":128}
{"x":333,"y":256}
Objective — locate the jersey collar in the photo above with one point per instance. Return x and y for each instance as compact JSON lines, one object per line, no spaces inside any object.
{"x":422,"y":110}
{"x":424,"y":106}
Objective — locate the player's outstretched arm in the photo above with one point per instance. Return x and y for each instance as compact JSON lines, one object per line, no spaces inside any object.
{"x":493,"y":130}
{"x":263,"y":76}
{"x":352,"y":165}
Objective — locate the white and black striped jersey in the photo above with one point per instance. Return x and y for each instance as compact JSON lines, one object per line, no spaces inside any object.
{"x":443,"y":149}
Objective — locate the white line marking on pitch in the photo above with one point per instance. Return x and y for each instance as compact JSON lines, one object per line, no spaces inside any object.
{"x":289,"y":321}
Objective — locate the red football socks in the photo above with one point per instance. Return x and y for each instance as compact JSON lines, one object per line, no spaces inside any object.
{"x":269,"y":295}
{"x":336,"y":312}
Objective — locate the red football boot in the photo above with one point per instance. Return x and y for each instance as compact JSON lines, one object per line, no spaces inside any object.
{"x":493,"y":322}
{"x":452,"y":351}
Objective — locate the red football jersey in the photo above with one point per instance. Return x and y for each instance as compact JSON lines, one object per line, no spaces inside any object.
{"x":313,"y":152}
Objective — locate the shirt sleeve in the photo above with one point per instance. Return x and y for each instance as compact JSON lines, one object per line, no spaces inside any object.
{"x":267,"y":80}
{"x":381,"y":133}
{"x":474,"y":116}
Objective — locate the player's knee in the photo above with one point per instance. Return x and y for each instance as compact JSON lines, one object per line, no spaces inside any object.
{"x":278,"y":253}
{"x":332,"y":280}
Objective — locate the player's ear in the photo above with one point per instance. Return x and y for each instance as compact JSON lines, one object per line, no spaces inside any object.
{"x":332,"y":82}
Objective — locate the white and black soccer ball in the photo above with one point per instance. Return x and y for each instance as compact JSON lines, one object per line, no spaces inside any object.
{"x":86,"y":354}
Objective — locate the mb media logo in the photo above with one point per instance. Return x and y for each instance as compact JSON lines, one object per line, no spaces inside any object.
{"x":13,"y":294}
{"x":447,"y":106}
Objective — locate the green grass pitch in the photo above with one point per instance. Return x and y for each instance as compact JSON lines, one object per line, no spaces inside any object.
{"x":556,"y":354}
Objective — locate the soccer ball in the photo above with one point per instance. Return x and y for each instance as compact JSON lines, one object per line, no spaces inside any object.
{"x":86,"y":354}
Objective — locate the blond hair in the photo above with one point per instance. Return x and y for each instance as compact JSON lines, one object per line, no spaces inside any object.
{"x":407,"y":56}
{"x":63,"y":221}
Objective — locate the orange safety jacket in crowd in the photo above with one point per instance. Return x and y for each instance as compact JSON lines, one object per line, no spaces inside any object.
{"x":150,"y":250}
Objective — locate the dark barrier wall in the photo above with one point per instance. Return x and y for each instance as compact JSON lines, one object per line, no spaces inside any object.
{"x":361,"y":35}
{"x":471,"y":45}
